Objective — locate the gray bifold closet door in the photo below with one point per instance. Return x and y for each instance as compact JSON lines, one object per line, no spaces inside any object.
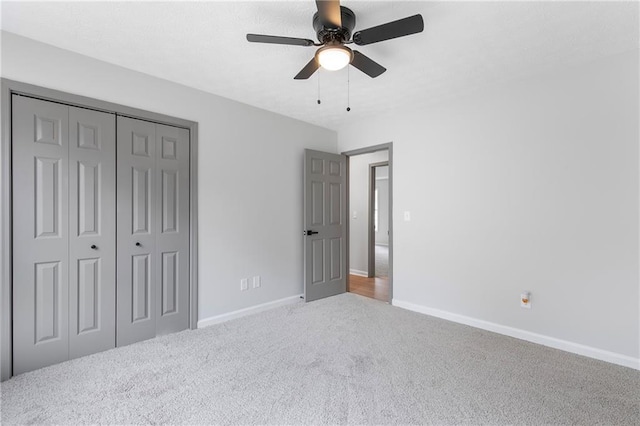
{"x":153,"y":230}
{"x":63,"y":232}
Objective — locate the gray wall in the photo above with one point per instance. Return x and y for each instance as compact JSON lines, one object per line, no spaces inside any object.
{"x":250,"y":169}
{"x":529,"y":186}
{"x":359,"y":202}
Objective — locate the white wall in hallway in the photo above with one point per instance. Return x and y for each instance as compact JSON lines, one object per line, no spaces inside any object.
{"x":382,"y":186}
{"x":529,"y":186}
{"x":359,"y":203}
{"x":250,"y":170}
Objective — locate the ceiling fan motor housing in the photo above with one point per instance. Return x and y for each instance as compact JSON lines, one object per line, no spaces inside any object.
{"x":335,"y":34}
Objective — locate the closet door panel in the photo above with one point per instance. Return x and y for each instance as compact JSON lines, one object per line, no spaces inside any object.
{"x":92,"y":223}
{"x":40,"y":233}
{"x":172,"y":228}
{"x":136,"y":216}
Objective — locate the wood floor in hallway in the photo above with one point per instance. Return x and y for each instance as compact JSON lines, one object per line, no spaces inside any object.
{"x":375,"y":288}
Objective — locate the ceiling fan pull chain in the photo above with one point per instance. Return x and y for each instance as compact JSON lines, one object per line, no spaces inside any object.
{"x":319,"y":88}
{"x":348,"y":89}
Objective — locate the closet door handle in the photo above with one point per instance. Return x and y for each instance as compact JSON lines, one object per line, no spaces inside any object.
{"x":138,"y":244}
{"x":94,"y":247}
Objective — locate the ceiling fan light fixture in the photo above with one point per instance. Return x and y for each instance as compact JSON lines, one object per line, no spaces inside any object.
{"x":334,"y":57}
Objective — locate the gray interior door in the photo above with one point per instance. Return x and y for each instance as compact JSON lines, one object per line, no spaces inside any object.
{"x":172,"y":229}
{"x":325,"y":200}
{"x":75,"y":290}
{"x":92,"y":231}
{"x":136,"y":217}
{"x":40,"y":233}
{"x":63,"y":232}
{"x":153,"y":230}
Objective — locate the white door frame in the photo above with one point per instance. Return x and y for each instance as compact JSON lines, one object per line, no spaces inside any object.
{"x":367,"y":150}
{"x":10,"y":87}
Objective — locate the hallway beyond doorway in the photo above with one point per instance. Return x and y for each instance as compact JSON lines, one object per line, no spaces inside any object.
{"x":375,"y":288}
{"x":370,"y":239}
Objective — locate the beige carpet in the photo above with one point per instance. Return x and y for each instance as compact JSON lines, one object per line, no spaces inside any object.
{"x":342,"y":360}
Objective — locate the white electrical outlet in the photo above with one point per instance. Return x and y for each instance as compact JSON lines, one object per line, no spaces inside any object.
{"x":244,"y":284}
{"x":525,"y":300}
{"x":407,"y":216}
{"x":256,"y":281}
{"x":355,"y":214}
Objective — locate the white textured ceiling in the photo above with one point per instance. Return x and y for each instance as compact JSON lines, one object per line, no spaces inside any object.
{"x":466,"y":46}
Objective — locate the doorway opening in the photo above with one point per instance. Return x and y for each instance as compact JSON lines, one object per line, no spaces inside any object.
{"x":370,"y":222}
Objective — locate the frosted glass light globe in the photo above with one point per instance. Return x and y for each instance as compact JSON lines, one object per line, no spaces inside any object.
{"x":333,"y":58}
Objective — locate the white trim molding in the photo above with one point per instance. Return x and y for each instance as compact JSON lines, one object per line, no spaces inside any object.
{"x":358,"y":272}
{"x":249,"y":311}
{"x":564,"y":345}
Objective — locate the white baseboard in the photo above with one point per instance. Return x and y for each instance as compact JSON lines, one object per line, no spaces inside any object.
{"x":564,"y":345}
{"x":249,"y":311}
{"x":358,"y":272}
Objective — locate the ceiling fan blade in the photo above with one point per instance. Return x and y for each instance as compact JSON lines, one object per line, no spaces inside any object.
{"x":260,"y":38}
{"x":329,"y":13}
{"x":308,"y":70}
{"x":400,"y":28}
{"x":367,"y":65}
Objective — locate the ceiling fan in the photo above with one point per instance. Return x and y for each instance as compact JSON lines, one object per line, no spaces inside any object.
{"x":334,"y":25}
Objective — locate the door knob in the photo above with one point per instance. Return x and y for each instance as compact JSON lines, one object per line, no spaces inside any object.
{"x":94,"y":247}
{"x":138,"y":244}
{"x":310,"y":232}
